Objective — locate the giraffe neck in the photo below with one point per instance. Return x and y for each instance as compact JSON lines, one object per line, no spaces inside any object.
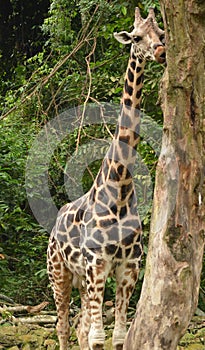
{"x":127,"y":134}
{"x":132,"y":93}
{"x":129,"y":120}
{"x":119,"y":161}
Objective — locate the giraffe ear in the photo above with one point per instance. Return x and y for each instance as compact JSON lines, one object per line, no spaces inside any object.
{"x":123,"y":37}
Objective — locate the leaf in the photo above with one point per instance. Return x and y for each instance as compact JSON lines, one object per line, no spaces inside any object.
{"x":124,"y":10}
{"x":114,"y":79}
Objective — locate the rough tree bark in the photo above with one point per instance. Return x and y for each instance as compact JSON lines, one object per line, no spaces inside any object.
{"x":172,"y":278}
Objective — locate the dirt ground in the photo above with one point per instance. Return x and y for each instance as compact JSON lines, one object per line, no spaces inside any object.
{"x":34,"y":337}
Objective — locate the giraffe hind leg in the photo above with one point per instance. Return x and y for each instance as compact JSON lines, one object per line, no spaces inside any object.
{"x":61,"y":282}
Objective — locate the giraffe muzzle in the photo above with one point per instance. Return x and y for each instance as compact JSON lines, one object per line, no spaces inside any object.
{"x":160,"y":54}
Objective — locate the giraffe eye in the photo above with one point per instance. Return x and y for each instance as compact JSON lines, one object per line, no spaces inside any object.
{"x":137,"y":39}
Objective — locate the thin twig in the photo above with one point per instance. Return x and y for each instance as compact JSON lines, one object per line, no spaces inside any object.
{"x":89,"y":90}
{"x":102,"y":115}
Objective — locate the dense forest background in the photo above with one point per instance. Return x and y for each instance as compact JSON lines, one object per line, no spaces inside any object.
{"x":55,"y":55}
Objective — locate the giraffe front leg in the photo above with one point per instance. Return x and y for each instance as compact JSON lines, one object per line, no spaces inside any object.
{"x":126,"y":278}
{"x":84,"y":322}
{"x":96,"y":276}
{"x":61,"y":282}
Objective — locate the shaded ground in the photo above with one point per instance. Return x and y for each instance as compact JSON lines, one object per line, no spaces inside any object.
{"x":33,"y":337}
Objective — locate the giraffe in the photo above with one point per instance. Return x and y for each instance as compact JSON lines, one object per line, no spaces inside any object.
{"x":100,"y":234}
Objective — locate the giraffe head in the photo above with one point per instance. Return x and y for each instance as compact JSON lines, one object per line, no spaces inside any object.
{"x":147,"y":38}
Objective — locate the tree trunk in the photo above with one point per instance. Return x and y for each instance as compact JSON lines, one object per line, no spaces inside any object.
{"x":171,"y":285}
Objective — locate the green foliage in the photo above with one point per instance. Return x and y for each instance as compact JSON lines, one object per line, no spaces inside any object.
{"x":57,"y":26}
{"x":22,"y":241}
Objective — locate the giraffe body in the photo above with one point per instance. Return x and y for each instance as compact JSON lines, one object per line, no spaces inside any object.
{"x":100,"y":233}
